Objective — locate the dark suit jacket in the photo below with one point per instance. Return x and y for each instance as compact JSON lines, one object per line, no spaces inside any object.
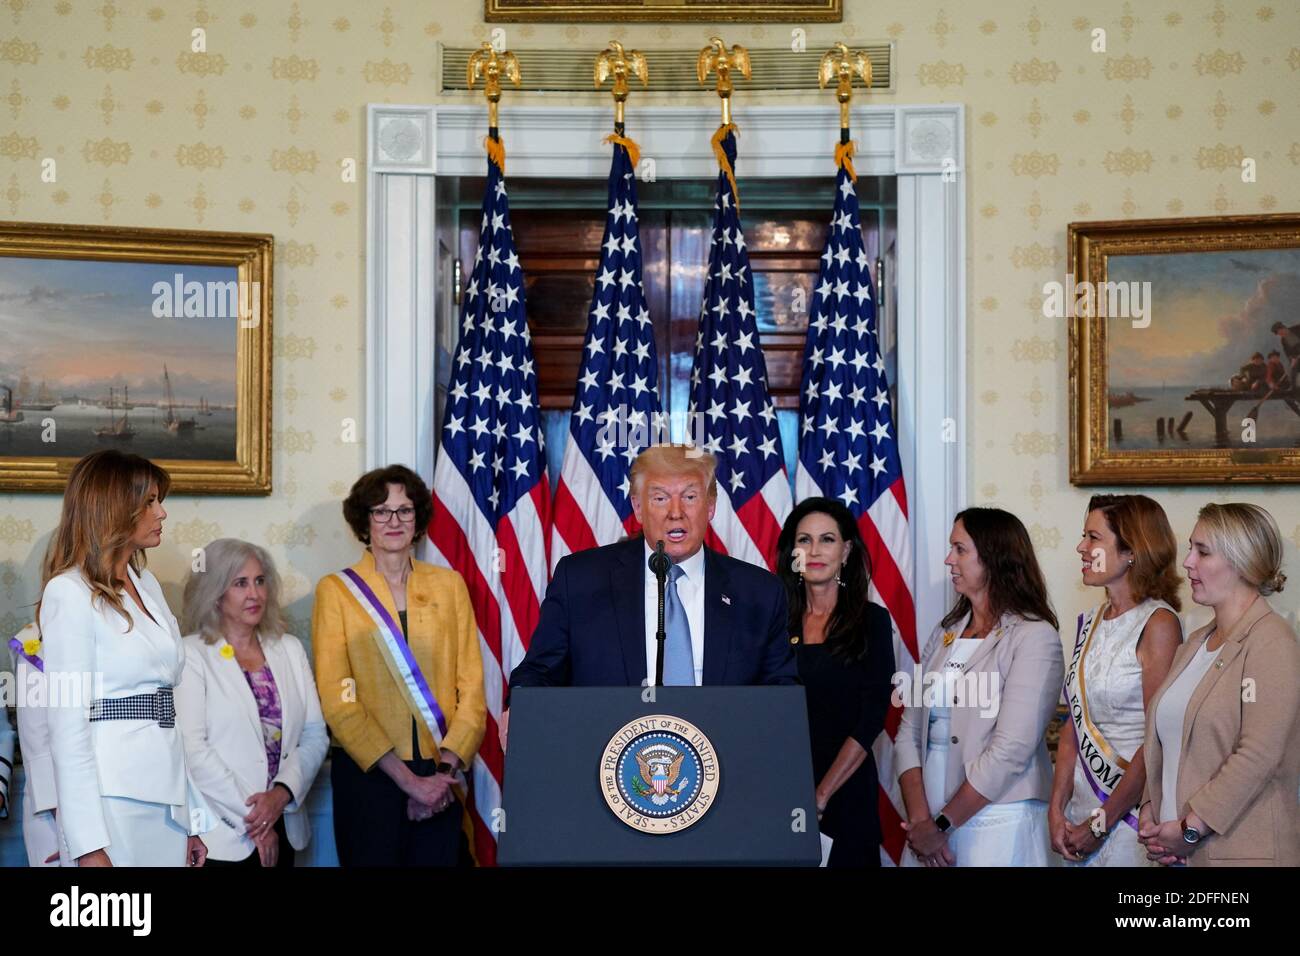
{"x":592,"y":627}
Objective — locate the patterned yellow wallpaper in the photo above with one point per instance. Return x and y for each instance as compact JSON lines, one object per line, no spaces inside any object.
{"x":248,"y":135}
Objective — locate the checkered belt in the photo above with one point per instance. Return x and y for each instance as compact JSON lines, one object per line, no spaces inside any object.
{"x":157,"y":706}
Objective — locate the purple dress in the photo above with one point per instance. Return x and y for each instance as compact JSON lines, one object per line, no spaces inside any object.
{"x":262,"y":684}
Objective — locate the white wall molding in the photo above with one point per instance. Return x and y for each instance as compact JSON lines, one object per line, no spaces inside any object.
{"x":408,"y":147}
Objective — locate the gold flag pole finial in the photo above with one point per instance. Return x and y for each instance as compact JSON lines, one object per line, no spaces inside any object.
{"x":620,"y":64}
{"x":839,"y":64}
{"x":717,"y":58}
{"x":492,"y":66}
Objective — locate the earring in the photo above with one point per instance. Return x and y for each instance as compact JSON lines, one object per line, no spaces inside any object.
{"x":839,"y":580}
{"x":800,"y":579}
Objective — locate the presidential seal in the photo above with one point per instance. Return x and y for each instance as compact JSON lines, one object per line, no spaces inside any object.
{"x":659,"y":774}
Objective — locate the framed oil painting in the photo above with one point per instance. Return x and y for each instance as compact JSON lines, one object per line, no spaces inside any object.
{"x":1185,"y":350}
{"x":153,"y":341}
{"x":663,"y":11}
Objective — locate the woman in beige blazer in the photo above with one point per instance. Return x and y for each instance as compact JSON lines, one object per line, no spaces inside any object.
{"x":1223,"y":731}
{"x":970,"y":751}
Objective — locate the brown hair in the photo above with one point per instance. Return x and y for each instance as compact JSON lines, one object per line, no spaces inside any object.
{"x":674,"y":460}
{"x":106,"y":495}
{"x":1140,"y":525}
{"x":1015,"y":581}
{"x":371,"y":490}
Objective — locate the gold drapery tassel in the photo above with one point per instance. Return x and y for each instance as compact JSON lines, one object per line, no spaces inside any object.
{"x":633,"y":150}
{"x":496,"y":151}
{"x":844,"y":158}
{"x":719,"y":152}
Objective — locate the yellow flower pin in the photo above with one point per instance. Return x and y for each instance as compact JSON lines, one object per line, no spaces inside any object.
{"x":32,"y":646}
{"x":227,"y":651}
{"x":949,"y":637}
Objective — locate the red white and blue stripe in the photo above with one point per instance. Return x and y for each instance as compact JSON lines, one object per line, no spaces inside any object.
{"x":848,"y":448}
{"x":617,"y":395}
{"x":729,"y":405}
{"x":492,"y":502}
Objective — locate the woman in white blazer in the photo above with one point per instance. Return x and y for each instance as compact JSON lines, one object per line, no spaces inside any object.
{"x":248,"y":710}
{"x":973,"y":765}
{"x":40,"y":830}
{"x":112,"y":656}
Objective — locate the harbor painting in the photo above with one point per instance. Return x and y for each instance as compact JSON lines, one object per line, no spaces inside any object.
{"x":1204,"y":386}
{"x":143,"y":356}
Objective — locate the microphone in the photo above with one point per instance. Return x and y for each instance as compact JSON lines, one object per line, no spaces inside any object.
{"x":659,"y":564}
{"x":659,"y":561}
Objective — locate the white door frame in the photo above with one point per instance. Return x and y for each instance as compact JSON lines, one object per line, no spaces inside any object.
{"x":924,"y":146}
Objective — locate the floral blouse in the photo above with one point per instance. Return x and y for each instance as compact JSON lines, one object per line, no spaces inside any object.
{"x":262,"y":683}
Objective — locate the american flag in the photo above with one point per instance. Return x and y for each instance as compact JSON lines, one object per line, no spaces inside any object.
{"x":617,"y":394}
{"x":491,"y":517}
{"x":731,"y":413}
{"x":848,"y":448}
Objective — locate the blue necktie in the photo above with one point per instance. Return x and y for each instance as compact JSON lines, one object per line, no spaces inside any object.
{"x":679,"y":661}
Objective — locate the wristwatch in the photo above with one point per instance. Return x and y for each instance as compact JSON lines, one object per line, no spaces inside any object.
{"x":1191,"y":835}
{"x":444,"y":767}
{"x":943,"y":823}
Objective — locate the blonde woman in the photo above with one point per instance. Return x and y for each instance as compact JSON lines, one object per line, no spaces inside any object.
{"x":1120,"y":655}
{"x":1223,"y":731}
{"x":248,"y":711}
{"x":124,"y":797}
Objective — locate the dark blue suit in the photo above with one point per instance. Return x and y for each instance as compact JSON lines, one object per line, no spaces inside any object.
{"x":592,"y":627}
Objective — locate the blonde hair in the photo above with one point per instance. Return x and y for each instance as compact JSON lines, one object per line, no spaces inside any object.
{"x":106,"y":496}
{"x":223,"y":560}
{"x":674,"y":460}
{"x":1249,"y":539}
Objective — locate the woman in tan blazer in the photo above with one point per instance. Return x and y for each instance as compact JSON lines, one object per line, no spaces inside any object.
{"x":970,"y":752}
{"x":1223,"y":731}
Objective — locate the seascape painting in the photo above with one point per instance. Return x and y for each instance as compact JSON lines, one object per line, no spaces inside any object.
{"x":85,"y":352}
{"x":155,"y":342}
{"x":1209,"y":371}
{"x":1184,"y":339}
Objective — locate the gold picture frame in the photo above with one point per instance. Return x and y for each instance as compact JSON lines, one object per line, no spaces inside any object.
{"x":662,"y":11}
{"x":87,"y":307}
{"x":1160,"y":398}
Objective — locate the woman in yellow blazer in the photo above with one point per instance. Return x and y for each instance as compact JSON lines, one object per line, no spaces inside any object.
{"x":400,"y":681}
{"x":1223,"y":731}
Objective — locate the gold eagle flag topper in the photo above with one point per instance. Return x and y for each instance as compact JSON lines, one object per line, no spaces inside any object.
{"x":717,"y":58}
{"x":620,"y":64}
{"x":840,"y":65}
{"x":492,"y":66}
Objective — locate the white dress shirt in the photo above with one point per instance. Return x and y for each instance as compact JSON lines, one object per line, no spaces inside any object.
{"x":690,"y":588}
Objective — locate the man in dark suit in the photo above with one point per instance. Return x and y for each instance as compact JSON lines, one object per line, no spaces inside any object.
{"x":727,"y":623}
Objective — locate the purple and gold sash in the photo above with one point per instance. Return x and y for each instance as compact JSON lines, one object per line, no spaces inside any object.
{"x":1102,"y":767}
{"x":397,"y":655}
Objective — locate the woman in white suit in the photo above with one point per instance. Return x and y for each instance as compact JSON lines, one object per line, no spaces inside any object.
{"x":40,"y":830}
{"x":248,"y":710}
{"x":113,"y":654}
{"x":973,"y":765}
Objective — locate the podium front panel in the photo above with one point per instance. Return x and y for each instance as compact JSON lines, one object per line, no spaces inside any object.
{"x":761,"y":807}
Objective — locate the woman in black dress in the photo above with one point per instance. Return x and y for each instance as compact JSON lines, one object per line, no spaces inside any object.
{"x":844,"y":645}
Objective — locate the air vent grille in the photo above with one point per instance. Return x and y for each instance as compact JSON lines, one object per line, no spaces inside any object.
{"x":672,"y":70}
